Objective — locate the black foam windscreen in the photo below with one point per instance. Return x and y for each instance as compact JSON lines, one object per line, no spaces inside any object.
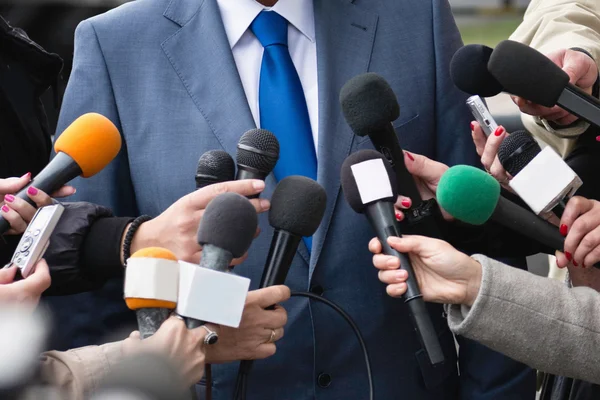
{"x":517,"y":150}
{"x":348,"y":180}
{"x":469,"y":71}
{"x":368,"y":103}
{"x":297,"y":206}
{"x":229,"y":222}
{"x":143,"y":376}
{"x":527,"y":73}
{"x":258,"y":149}
{"x":217,"y":165}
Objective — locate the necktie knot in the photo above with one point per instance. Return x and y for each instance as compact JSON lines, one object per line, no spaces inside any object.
{"x":270,"y":28}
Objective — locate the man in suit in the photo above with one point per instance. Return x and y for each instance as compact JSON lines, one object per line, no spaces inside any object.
{"x":179,"y":78}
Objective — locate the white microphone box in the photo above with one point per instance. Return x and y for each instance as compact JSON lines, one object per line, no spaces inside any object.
{"x":211,"y":296}
{"x":545,"y":181}
{"x":152,"y":278}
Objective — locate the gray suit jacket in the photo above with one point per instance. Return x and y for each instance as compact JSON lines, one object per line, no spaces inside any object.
{"x":535,"y":320}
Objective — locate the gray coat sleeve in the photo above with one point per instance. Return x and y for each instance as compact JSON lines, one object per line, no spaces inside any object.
{"x":534,"y":320}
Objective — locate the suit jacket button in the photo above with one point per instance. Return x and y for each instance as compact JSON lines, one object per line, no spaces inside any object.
{"x":317,"y":289}
{"x":324,"y":380}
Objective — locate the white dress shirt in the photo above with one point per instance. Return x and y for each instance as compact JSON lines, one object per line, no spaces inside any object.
{"x":247,"y":51}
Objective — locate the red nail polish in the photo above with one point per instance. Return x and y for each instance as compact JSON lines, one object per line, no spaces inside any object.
{"x":568,"y":255}
{"x":5,"y":208}
{"x":472,"y":126}
{"x":32,"y":191}
{"x":564,"y":230}
{"x":499,"y":131}
{"x":410,"y":156}
{"x":406,"y":203}
{"x":9,"y":198}
{"x":398,"y":216}
{"x":597,"y":138}
{"x":575,"y":263}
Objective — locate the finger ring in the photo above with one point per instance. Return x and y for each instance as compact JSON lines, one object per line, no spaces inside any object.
{"x":211,"y":336}
{"x":272,"y":338}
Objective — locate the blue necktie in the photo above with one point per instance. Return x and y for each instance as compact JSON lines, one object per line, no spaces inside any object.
{"x":283,"y":108}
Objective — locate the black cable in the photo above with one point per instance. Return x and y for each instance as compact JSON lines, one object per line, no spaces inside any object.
{"x":240,"y":386}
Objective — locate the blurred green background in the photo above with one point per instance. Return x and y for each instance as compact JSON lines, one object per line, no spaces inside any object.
{"x":488,"y":29}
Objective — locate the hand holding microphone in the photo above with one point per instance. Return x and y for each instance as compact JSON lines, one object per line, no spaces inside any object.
{"x":580,"y":223}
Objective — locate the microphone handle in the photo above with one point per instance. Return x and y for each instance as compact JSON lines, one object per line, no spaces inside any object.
{"x":244,"y":172}
{"x":59,"y":171}
{"x":381,"y":218}
{"x":281,"y":254}
{"x":581,"y":104}
{"x":150,"y":319}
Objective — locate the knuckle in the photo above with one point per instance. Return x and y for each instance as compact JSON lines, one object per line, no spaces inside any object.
{"x":219,"y":188}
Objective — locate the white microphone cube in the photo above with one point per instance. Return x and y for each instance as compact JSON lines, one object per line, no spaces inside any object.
{"x":545,"y":181}
{"x":211,"y":296}
{"x":152,"y":278}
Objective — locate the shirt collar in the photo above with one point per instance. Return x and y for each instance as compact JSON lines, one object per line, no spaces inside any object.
{"x":237,"y":15}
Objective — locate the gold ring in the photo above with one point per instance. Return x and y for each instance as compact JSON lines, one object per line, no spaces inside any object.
{"x":272,"y":338}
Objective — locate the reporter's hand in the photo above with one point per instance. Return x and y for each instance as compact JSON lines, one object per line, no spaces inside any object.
{"x":445,"y":274}
{"x":251,"y":341}
{"x":583,"y":73}
{"x":27,"y":291}
{"x":580,"y":223}
{"x":175,"y":229}
{"x":184,"y":347}
{"x":18,"y":212}
{"x":487,"y":149}
{"x":427,"y":174}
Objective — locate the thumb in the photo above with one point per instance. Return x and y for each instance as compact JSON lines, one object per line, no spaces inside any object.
{"x":582,"y":70}
{"x":13,"y":185}
{"x":423,"y":167}
{"x":7,"y":275}
{"x":408,"y":244}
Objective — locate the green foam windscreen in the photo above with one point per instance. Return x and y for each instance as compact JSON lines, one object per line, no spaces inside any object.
{"x":468,"y":194}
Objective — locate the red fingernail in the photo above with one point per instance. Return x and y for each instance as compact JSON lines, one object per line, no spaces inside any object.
{"x":597,"y":138}
{"x":472,"y":126}
{"x":410,"y":156}
{"x":32,"y":191}
{"x":5,"y":208}
{"x":9,"y":198}
{"x":27,"y":175}
{"x":568,"y":255}
{"x":564,"y":230}
{"x":499,"y":131}
{"x":406,"y":203}
{"x":575,"y":263}
{"x":398,"y":216}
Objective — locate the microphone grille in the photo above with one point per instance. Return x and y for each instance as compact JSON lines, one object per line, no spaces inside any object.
{"x":216,"y":164}
{"x":297,"y":206}
{"x":469,"y":71}
{"x":517,"y":150}
{"x":258,"y":149}
{"x":229,"y":222}
{"x":368,"y":103}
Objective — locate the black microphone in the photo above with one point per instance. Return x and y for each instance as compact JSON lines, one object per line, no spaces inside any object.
{"x":517,"y":150}
{"x":472,"y":196}
{"x":87,"y":146}
{"x":226,"y":231}
{"x":214,"y":166}
{"x":369,"y":188}
{"x":536,"y":78}
{"x":297,"y":207}
{"x":257,"y":155}
{"x":469,"y":71}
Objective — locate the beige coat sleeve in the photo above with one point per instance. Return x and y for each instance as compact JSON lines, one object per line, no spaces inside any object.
{"x":534,"y":320}
{"x":553,"y":25}
{"x":77,"y":372}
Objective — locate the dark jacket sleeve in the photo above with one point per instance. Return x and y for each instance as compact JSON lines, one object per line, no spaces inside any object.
{"x":84,"y":249}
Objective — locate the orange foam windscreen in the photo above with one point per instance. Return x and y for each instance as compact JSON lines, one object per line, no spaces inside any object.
{"x":93,"y":141}
{"x":137,"y":303}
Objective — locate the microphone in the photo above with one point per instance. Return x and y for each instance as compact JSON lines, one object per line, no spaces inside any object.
{"x":469,"y":71}
{"x":143,"y":376}
{"x":536,"y":78}
{"x":472,"y":196}
{"x":369,"y":189}
{"x":541,"y":177}
{"x":151,"y":287}
{"x":214,"y":166}
{"x":210,"y":293}
{"x":297,"y":207}
{"x":369,"y":106}
{"x":87,"y":146}
{"x":257,"y":155}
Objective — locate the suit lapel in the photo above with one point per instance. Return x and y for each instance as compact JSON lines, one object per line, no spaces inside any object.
{"x":345,"y":36}
{"x":202,"y":58}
